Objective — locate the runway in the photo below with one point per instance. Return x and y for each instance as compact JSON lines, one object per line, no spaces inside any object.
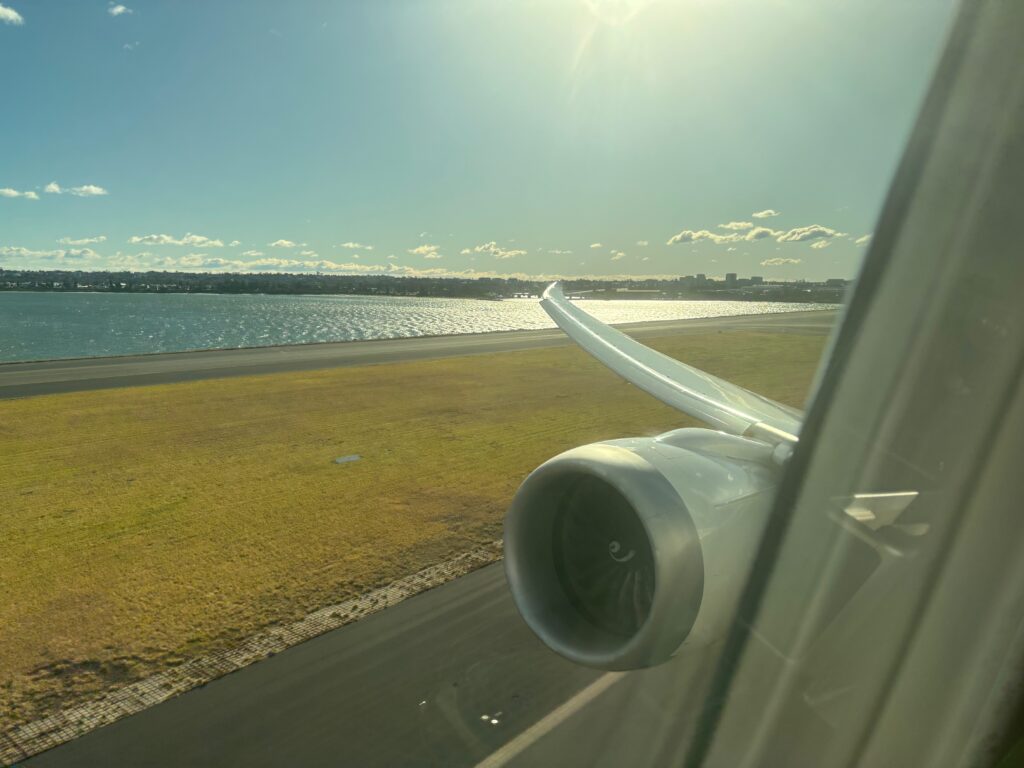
{"x":56,"y":376}
{"x":451,"y":677}
{"x":407,"y":686}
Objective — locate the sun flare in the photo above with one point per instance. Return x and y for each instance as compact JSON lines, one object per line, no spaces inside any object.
{"x":615,"y":13}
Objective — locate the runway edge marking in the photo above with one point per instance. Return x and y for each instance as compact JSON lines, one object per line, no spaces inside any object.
{"x":552,"y":720}
{"x":23,"y":741}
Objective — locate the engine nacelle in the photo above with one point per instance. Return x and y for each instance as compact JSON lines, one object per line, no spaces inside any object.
{"x":618,"y":553}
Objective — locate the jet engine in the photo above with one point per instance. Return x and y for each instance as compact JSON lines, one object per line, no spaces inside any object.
{"x":618,"y":553}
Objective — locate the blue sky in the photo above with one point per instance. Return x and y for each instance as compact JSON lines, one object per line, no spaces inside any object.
{"x":527,"y":137}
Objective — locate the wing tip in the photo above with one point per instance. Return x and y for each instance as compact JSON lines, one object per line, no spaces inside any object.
{"x":553,"y":291}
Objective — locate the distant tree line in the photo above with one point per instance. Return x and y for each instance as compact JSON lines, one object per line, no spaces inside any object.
{"x":386,"y":285}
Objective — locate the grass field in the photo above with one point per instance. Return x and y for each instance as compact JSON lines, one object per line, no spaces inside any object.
{"x":142,"y":526}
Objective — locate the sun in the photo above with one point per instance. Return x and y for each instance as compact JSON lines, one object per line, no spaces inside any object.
{"x":608,"y":41}
{"x":615,"y":13}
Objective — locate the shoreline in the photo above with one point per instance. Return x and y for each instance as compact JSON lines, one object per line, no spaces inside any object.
{"x":20,"y":379}
{"x":199,"y":350}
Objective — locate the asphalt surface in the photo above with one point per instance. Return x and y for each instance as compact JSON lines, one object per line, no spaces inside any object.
{"x":416,"y":685}
{"x":51,"y":377}
{"x":421,"y":683}
{"x":407,"y":686}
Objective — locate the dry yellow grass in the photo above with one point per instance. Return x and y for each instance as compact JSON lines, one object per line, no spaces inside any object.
{"x":142,"y":526}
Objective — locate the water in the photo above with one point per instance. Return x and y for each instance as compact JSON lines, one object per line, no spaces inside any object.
{"x":45,"y":326}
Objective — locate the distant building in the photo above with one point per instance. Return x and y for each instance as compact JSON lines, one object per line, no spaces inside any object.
{"x":701,"y":278}
{"x":756,"y":280}
{"x":835,"y":282}
{"x":730,"y":278}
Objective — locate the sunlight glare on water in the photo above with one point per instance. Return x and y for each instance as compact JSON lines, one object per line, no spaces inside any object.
{"x":44,"y":326}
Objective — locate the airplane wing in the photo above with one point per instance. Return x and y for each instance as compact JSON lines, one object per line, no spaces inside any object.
{"x":714,"y":401}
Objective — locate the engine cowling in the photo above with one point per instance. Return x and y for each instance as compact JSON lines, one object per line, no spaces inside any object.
{"x":619,"y":553}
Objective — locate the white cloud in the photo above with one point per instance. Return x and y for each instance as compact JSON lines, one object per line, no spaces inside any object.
{"x":495,"y":250}
{"x":862,"y":240}
{"x":83,"y":240}
{"x":273,"y":263}
{"x":392,"y":256}
{"x":283,"y":244}
{"x":559,"y":252}
{"x":686,"y":236}
{"x":81,"y":253}
{"x":745,"y":231}
{"x":10,"y":16}
{"x":778,"y":262}
{"x":596,"y":245}
{"x":202,"y":262}
{"x":132,"y":262}
{"x":356,"y":246}
{"x":819,"y":244}
{"x":195,"y":241}
{"x":811,"y":232}
{"x":59,"y":254}
{"x":618,"y":255}
{"x":252,"y":253}
{"x":201,"y":241}
{"x":25,"y":253}
{"x":308,"y":254}
{"x":767,"y":213}
{"x":86,"y":190}
{"x":8,"y":192}
{"x":426,"y":251}
{"x":154,"y":240}
{"x":118,"y":9}
{"x":691,"y":236}
{"x":234,"y":243}
{"x":642,"y":243}
{"x":759,"y":233}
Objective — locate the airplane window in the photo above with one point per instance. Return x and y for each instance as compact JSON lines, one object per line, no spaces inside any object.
{"x":919,"y":424}
{"x":587,"y":382}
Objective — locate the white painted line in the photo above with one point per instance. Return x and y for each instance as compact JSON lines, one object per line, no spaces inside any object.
{"x":541,"y":728}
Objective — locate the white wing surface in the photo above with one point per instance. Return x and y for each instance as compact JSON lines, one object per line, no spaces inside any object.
{"x":714,"y":401}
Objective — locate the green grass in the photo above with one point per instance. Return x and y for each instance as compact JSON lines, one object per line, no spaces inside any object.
{"x":143,"y":526}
